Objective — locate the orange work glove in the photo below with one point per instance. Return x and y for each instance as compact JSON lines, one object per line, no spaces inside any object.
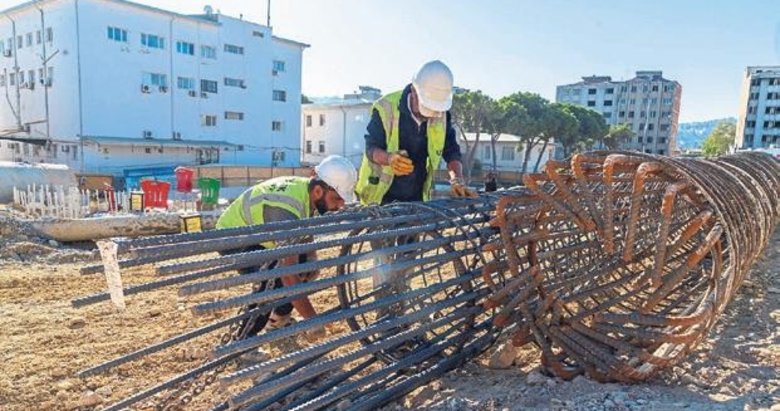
{"x":458,"y":189}
{"x":401,"y":163}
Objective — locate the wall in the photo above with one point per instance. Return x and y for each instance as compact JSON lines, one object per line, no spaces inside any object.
{"x":332,"y":133}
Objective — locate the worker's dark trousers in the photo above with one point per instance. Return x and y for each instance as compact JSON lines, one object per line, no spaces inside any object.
{"x":252,"y":326}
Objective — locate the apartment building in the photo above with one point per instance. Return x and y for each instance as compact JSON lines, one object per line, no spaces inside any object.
{"x":758,"y":124}
{"x":108,"y":85}
{"x":649,"y":103}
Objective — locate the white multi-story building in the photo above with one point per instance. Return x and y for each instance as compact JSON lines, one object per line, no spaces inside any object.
{"x":337,"y":126}
{"x":758,"y":125}
{"x":649,"y":103}
{"x":110,"y":85}
{"x":509,"y":152}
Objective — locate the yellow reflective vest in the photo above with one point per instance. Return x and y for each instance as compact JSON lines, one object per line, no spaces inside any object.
{"x":374,"y":180}
{"x":288,"y":193}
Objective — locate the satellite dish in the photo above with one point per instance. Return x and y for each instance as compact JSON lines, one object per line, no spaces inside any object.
{"x":208,"y":10}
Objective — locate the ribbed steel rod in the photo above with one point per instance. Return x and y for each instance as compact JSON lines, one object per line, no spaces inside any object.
{"x":322,"y":320}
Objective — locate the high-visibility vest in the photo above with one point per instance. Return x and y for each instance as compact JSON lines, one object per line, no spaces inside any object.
{"x":374,"y":180}
{"x":288,"y":193}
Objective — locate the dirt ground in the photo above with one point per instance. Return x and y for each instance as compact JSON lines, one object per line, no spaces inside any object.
{"x":44,"y":342}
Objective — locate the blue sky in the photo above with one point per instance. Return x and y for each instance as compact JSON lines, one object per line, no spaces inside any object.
{"x":504,"y":46}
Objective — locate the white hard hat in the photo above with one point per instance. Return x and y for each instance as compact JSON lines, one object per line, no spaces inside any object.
{"x":339,"y":173}
{"x":433,"y":84}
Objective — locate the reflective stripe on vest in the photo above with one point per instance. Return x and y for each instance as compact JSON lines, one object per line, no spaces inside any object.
{"x":248,"y":201}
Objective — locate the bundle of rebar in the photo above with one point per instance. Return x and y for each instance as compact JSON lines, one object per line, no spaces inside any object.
{"x":621,"y":263}
{"x":403,"y":281}
{"x":613,"y":264}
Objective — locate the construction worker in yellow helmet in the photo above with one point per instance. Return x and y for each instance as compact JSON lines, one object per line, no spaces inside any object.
{"x":289,"y":198}
{"x":410,"y":132}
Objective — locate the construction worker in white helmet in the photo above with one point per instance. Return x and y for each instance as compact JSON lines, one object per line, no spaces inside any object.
{"x":289,"y":198}
{"x":410,"y":132}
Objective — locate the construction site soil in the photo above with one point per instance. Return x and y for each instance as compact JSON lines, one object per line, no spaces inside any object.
{"x":44,"y":342}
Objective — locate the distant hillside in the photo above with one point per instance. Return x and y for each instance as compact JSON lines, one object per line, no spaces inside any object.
{"x":691,"y":135}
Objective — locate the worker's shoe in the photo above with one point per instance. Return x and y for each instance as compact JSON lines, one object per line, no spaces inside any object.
{"x":276,"y":321}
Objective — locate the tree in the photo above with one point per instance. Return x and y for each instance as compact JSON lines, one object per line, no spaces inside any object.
{"x":305,"y":100}
{"x":473,"y":112}
{"x":618,"y":134}
{"x":590,"y":128}
{"x":720,"y":140}
{"x":558,"y":122}
{"x":523,"y":114}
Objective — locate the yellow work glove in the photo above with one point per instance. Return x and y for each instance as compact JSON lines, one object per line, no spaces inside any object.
{"x":401,"y":163}
{"x":458,"y":189}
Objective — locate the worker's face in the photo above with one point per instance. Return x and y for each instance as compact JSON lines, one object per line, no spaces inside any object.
{"x":326,"y":200}
{"x":417,"y":111}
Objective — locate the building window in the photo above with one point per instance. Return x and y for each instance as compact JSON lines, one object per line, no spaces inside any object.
{"x":653,"y":114}
{"x":650,"y":139}
{"x":591,"y":91}
{"x":622,"y":114}
{"x":661,"y":152}
{"x":322,"y":146}
{"x":609,"y":90}
{"x":662,"y":140}
{"x":31,"y":76}
{"x":258,"y":33}
{"x":507,"y":153}
{"x":276,"y":125}
{"x":655,"y":88}
{"x":663,"y":127}
{"x":322,"y":119}
{"x":623,"y":89}
{"x":279,"y":95}
{"x":308,"y":120}
{"x":234,"y":82}
{"x":208,"y":86}
{"x":37,"y":37}
{"x":607,"y":114}
{"x":639,"y":139}
{"x":486,"y":152}
{"x":591,"y":104}
{"x":633,"y":89}
{"x":234,"y":115}
{"x":117,"y":34}
{"x":2,"y":80}
{"x":28,"y":39}
{"x":152,"y":41}
{"x":12,"y":79}
{"x":632,"y":101}
{"x":208,"y":120}
{"x":208,"y":52}
{"x":308,"y":146}
{"x":666,"y":102}
{"x":185,"y":83}
{"x":183,"y":47}
{"x":21,"y":77}
{"x":49,"y":34}
{"x":230,"y":48}
{"x":155,"y":79}
{"x":607,"y":103}
{"x":19,"y":42}
{"x":630,"y":114}
{"x":148,"y":150}
{"x":278,"y":66}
